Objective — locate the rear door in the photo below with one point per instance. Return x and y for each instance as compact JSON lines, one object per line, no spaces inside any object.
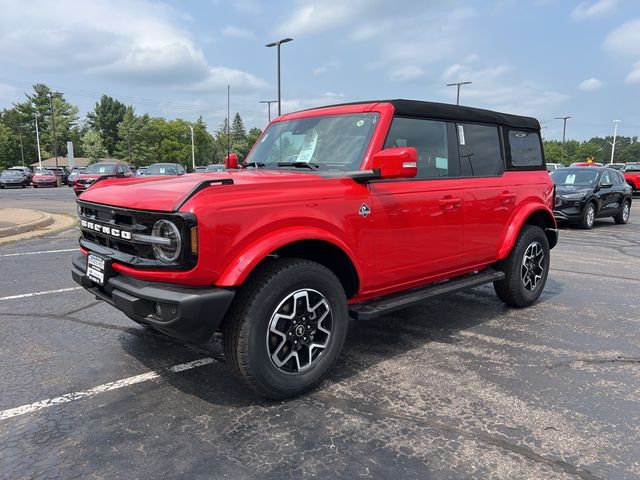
{"x":419,"y":222}
{"x":489,"y":197}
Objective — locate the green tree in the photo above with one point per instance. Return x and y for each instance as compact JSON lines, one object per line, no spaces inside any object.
{"x":238,"y":132}
{"x":92,"y":146}
{"x":136,"y":137}
{"x":52,"y":110}
{"x":104,"y":118}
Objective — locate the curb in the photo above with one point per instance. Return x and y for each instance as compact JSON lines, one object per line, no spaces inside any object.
{"x":43,"y":222}
{"x":59,"y":222}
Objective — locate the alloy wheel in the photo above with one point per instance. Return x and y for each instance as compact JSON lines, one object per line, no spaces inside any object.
{"x":299,"y":331}
{"x":532,"y":266}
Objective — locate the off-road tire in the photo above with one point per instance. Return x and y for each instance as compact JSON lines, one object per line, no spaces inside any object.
{"x":623,"y":217}
{"x":588,"y":219}
{"x":246,"y":328}
{"x":512,"y":290}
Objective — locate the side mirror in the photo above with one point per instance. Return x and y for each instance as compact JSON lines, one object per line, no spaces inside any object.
{"x":396,"y":162}
{"x":231,"y":161}
{"x":606,"y":185}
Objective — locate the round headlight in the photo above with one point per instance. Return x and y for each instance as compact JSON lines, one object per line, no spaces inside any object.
{"x":167,"y":253}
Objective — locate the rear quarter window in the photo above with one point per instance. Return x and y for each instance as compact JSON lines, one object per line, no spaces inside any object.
{"x":524,"y":150}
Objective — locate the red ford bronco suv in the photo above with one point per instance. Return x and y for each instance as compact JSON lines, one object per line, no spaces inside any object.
{"x":353,"y":210}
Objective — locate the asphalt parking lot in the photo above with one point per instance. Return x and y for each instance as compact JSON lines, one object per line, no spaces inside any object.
{"x":461,"y":387}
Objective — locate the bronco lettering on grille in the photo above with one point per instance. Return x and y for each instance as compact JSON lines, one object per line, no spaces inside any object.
{"x":106,"y":230}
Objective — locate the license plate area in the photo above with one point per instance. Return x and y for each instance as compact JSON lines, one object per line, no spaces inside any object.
{"x":98,"y":268}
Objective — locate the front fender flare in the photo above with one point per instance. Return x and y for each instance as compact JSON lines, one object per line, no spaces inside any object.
{"x":243,"y":264}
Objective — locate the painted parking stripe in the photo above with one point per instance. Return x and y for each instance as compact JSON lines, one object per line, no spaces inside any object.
{"x":37,"y":294}
{"x":106,"y":387}
{"x":39,"y":253}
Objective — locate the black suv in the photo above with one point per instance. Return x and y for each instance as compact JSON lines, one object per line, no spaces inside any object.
{"x":586,"y":193}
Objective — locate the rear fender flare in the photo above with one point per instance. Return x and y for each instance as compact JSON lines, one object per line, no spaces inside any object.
{"x":518,"y":221}
{"x":236,"y":272}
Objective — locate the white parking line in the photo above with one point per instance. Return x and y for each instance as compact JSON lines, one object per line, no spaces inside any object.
{"x":38,"y":253}
{"x":106,"y":387}
{"x":37,"y":294}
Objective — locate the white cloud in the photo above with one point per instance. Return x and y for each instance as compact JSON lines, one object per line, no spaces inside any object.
{"x":321,"y":15}
{"x":231,"y":31}
{"x":590,"y":84}
{"x":135,"y":41}
{"x":594,"y":10}
{"x":407,"y":74}
{"x":634,"y":75}
{"x":219,"y":77}
{"x":330,"y":66}
{"x":624,"y":40}
{"x":498,"y":88}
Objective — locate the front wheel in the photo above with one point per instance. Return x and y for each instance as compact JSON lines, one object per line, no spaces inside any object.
{"x":623,"y":217}
{"x":588,"y":216}
{"x":286,"y":328}
{"x":526,"y":268}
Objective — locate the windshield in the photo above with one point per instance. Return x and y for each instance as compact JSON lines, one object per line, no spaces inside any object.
{"x":11,"y":173}
{"x":101,"y":168}
{"x":574,"y":177}
{"x":160,"y":169}
{"x":331,"y":142}
{"x":632,"y":168}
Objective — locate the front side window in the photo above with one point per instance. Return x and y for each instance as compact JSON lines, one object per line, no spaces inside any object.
{"x":525,"y":149}
{"x":606,"y":179}
{"x":329,"y":142}
{"x":430,"y":139}
{"x":480,"y":152}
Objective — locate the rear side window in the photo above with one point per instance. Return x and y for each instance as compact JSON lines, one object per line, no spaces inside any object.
{"x":525,"y":149}
{"x":480,"y":151}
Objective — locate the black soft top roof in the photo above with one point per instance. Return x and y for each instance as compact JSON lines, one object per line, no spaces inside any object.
{"x":445,"y":111}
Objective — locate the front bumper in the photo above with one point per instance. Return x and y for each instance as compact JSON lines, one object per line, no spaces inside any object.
{"x":187,"y":313}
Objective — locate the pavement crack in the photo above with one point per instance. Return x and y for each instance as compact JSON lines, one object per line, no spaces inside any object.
{"x":67,"y":318}
{"x":597,"y":361}
{"x":378,"y":412}
{"x":92,"y":304}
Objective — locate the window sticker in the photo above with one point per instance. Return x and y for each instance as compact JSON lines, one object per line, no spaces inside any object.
{"x":442,"y":163}
{"x":461,"y":134}
{"x":163,"y":170}
{"x":360,"y":123}
{"x":308,"y":146}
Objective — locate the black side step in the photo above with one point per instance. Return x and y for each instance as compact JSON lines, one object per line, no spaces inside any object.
{"x":377,"y":307}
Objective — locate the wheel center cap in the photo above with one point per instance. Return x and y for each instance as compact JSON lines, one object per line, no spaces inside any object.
{"x":299,"y":331}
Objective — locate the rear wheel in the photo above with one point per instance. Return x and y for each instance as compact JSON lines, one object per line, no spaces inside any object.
{"x":286,"y":328}
{"x":623,"y":217}
{"x":588,"y":216}
{"x":526,"y":268}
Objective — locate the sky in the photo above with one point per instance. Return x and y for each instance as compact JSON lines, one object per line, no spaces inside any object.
{"x":543,"y":58}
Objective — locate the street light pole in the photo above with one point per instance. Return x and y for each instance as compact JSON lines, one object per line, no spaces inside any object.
{"x":193,"y":151}
{"x":615,"y":134}
{"x":277,"y":45}
{"x":38,"y":140}
{"x":458,"y":84}
{"x":53,"y":127}
{"x":268,"y":102}
{"x":564,"y":131}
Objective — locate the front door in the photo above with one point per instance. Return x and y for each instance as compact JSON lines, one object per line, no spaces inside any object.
{"x":419,"y":222}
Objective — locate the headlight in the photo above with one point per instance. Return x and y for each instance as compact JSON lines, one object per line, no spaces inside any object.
{"x":167,"y":253}
{"x":572,"y":196}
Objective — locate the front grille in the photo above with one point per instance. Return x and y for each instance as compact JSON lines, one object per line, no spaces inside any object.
{"x":131,"y":222}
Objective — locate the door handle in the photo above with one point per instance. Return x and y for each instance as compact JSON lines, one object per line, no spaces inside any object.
{"x":507,"y":197}
{"x":449,"y":203}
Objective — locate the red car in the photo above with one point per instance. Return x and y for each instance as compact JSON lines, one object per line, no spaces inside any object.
{"x":354,"y":210}
{"x":631,"y":173}
{"x":84,"y":180}
{"x":44,"y":178}
{"x":587,"y":164}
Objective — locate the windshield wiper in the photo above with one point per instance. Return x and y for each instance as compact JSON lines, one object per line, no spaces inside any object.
{"x":310,"y":166}
{"x":254,"y":164}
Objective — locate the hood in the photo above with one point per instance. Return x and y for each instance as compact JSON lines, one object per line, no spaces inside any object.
{"x":167,"y":193}
{"x":568,"y":189}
